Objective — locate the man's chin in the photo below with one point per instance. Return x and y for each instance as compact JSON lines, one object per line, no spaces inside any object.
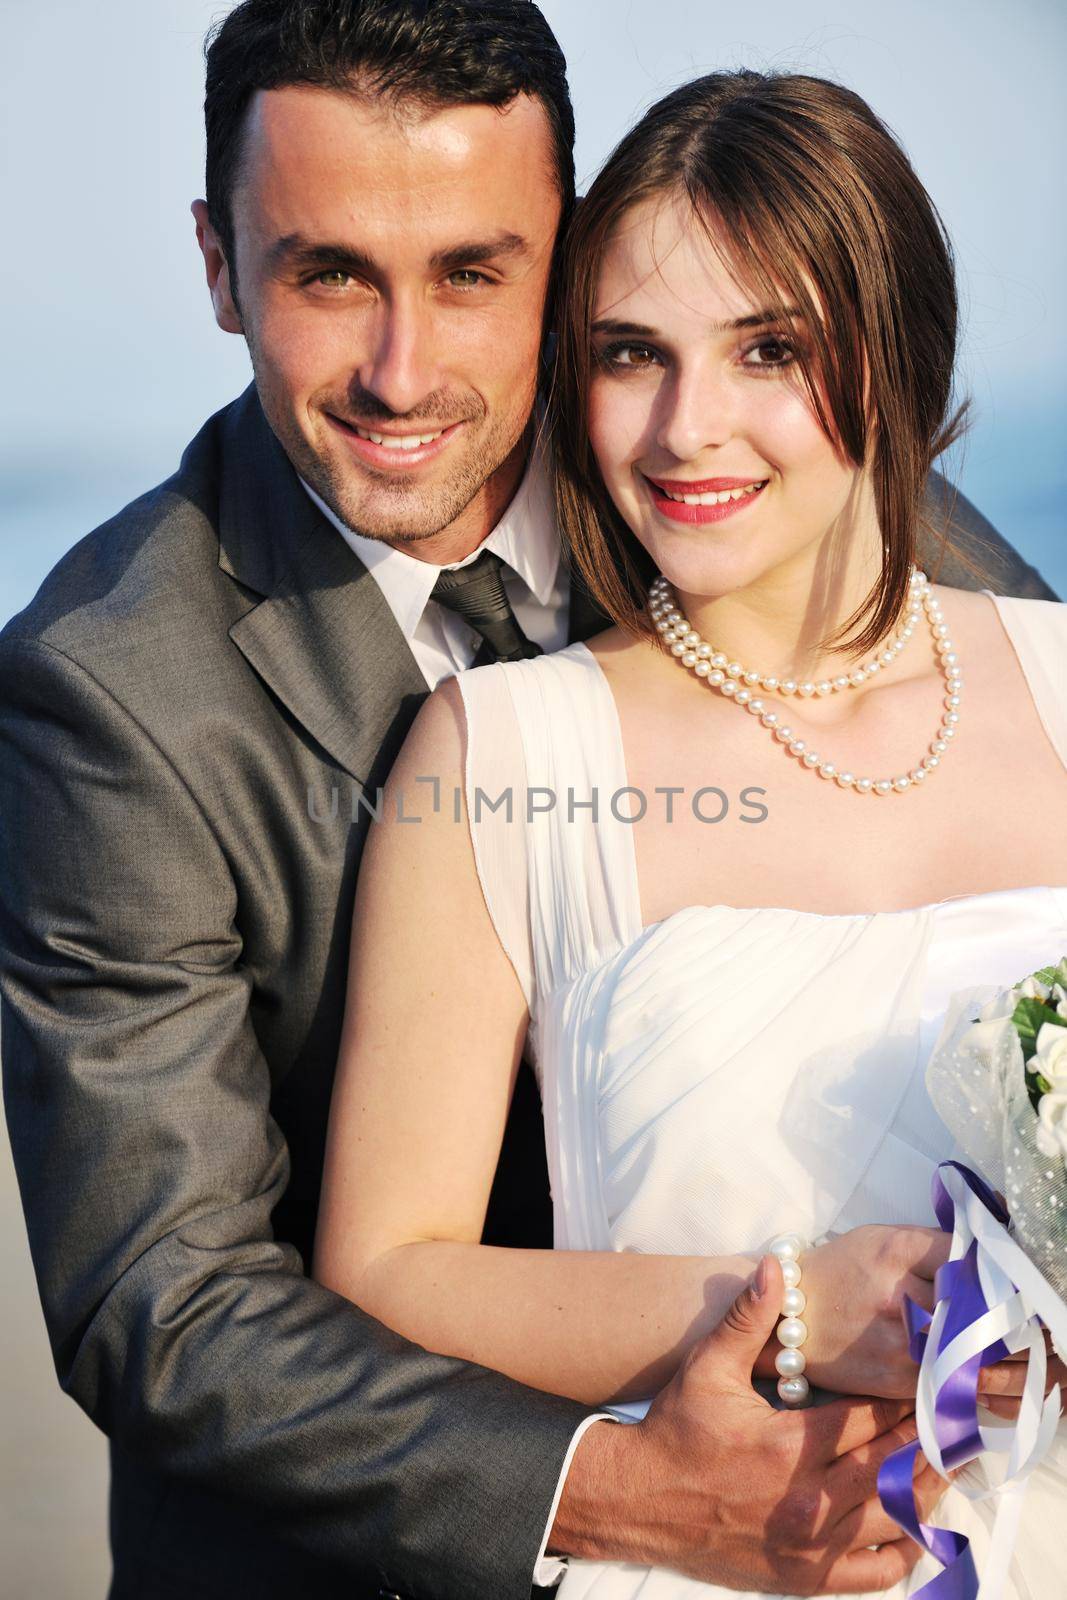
{"x":404,"y":514}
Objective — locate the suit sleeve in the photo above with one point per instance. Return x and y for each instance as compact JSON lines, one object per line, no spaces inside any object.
{"x":149,"y":1164}
{"x":960,"y":547}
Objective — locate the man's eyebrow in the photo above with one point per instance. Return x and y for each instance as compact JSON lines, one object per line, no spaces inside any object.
{"x":755,"y":319}
{"x":293,"y":250}
{"x":497,"y":248}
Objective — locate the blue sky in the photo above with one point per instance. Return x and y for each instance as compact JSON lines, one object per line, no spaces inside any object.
{"x":112,"y":357}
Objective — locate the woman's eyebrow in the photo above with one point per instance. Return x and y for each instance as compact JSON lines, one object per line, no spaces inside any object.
{"x":761,"y":319}
{"x":755,"y":319}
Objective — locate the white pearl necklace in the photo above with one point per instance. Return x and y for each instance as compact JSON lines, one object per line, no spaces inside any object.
{"x":735,"y":683}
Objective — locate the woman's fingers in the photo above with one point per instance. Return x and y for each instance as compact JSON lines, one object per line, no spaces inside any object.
{"x":921,"y":1290}
{"x":925,"y":1249}
{"x":1008,"y":1377}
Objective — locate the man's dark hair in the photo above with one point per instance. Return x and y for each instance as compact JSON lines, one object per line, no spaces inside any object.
{"x":434,"y":52}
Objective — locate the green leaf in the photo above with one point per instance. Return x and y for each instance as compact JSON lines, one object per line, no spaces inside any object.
{"x":1050,"y":975}
{"x":1028,"y":1019}
{"x":1037,"y":1086}
{"x":1046,"y":975}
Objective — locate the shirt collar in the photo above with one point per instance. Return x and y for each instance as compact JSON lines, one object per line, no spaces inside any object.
{"x":526,"y":538}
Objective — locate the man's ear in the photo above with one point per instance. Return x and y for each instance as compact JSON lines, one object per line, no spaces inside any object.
{"x":227,"y":313}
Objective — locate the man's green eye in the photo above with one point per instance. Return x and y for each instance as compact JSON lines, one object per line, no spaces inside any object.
{"x":465,"y":278}
{"x":332,"y":280}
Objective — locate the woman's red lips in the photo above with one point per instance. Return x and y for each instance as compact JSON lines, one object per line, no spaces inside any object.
{"x":666,"y":496}
{"x":702,"y":485}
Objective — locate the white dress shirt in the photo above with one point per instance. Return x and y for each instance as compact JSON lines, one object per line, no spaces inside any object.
{"x":536,"y":580}
{"x":537,"y":585}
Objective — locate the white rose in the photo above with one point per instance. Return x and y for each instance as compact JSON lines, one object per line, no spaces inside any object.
{"x":1051,"y":1057}
{"x":1031,"y":989}
{"x":1059,"y":996}
{"x":1052,"y":1125}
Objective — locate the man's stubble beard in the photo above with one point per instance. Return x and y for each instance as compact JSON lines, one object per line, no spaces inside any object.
{"x":419,"y":514}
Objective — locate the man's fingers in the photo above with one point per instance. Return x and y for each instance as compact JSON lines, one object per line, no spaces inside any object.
{"x":853,"y":1479}
{"x":866,"y":1571}
{"x":741,"y":1335}
{"x":844,"y":1425}
{"x":864,"y":1525}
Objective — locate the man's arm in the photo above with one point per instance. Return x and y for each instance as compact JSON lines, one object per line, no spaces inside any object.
{"x":138,"y":1105}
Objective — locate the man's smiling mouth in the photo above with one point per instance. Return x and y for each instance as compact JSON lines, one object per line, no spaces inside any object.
{"x":394,"y":451}
{"x":398,"y":441}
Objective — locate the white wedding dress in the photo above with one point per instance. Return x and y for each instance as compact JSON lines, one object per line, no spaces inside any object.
{"x":729,"y":1074}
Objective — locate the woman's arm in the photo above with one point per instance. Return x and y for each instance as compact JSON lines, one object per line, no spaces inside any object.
{"x":433,"y":1033}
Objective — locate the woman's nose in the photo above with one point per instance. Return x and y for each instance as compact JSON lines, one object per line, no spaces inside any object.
{"x":697,"y":411}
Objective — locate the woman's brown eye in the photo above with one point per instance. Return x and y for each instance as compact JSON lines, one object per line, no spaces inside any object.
{"x":630,"y":355}
{"x":772,"y":353}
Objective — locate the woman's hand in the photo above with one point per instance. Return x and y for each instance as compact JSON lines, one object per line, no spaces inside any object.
{"x":999,"y":1387}
{"x":856,"y":1344}
{"x":855,"y":1287}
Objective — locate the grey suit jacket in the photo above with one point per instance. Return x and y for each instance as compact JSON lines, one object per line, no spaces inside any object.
{"x":186,"y":709}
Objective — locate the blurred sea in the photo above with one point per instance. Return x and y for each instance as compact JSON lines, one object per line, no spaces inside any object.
{"x":1015,"y":474}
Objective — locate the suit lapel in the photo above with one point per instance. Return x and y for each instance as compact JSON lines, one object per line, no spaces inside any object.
{"x":320,"y":634}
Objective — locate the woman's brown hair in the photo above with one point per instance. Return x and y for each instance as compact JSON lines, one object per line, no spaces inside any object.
{"x":816,"y":206}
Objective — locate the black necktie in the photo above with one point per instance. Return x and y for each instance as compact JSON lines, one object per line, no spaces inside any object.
{"x":476,"y":593}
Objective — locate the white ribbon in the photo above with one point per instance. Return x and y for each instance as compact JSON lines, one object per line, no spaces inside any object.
{"x":1019,"y":1300}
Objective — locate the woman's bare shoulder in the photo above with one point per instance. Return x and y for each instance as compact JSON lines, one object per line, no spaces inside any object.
{"x":436,"y":741}
{"x":619,"y":652}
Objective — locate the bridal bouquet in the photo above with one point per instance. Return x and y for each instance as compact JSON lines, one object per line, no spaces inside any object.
{"x":998,"y":1079}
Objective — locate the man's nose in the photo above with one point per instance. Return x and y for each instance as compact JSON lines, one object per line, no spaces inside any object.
{"x":400,"y":368}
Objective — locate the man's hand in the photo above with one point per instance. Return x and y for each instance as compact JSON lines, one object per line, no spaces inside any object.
{"x":717,"y":1484}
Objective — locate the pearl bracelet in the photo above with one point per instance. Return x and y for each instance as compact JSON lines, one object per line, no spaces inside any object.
{"x":793,"y":1388}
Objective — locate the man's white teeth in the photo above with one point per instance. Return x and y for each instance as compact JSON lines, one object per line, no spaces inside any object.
{"x":392,"y":441}
{"x":717,"y":499}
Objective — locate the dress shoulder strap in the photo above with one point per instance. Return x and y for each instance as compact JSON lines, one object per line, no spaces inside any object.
{"x":1038,"y":631}
{"x":554,"y":850}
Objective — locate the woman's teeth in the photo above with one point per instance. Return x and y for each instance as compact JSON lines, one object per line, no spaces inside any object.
{"x":714,"y":499}
{"x":392,"y":441}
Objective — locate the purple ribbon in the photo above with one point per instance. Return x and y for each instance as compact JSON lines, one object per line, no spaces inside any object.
{"x":956,"y":1403}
